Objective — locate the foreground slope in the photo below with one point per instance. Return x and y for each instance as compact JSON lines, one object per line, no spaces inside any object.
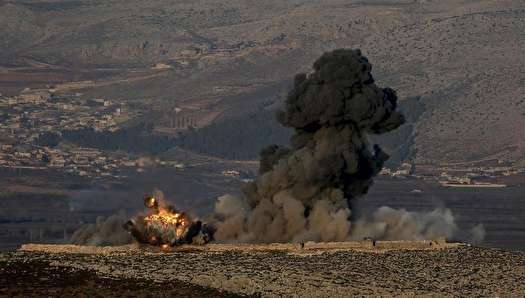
{"x":455,"y":271}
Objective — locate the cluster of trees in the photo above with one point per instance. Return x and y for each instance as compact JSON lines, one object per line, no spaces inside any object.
{"x":399,"y":142}
{"x":239,"y":138}
{"x":235,"y":138}
{"x":134,"y":139}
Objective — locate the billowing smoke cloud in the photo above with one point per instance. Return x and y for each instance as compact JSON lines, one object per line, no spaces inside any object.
{"x":393,"y":224}
{"x":384,"y":224}
{"x":399,"y":224}
{"x":106,"y":231}
{"x":303,"y":192}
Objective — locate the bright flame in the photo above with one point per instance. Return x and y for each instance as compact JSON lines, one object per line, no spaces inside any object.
{"x":150,"y":202}
{"x":163,"y":225}
{"x":168,"y":219}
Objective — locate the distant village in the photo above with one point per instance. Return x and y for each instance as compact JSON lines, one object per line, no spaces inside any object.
{"x":24,"y":118}
{"x":476,"y":176}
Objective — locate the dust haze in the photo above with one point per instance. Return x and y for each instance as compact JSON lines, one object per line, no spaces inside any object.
{"x":304,"y":192}
{"x":104,"y":232}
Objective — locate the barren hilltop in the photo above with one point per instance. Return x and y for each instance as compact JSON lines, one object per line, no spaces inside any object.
{"x":457,"y":64}
{"x":269,"y":271}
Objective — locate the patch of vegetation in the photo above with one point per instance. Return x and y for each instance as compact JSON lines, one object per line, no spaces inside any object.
{"x":235,"y":138}
{"x":54,"y":6}
{"x":399,"y":143}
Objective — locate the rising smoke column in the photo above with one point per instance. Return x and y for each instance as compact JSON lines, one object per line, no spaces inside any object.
{"x":303,"y":192}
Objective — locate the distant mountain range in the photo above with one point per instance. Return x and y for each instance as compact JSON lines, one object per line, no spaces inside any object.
{"x":458,"y":66}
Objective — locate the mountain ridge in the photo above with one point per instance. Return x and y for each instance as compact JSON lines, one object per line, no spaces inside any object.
{"x":462,"y":59}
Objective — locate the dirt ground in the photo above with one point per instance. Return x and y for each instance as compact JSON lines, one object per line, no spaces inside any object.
{"x":38,"y":278}
{"x":451,"y":272}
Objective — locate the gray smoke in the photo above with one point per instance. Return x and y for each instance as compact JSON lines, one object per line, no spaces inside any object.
{"x":399,"y":224}
{"x":104,"y":232}
{"x":303,"y":192}
{"x":394,"y":224}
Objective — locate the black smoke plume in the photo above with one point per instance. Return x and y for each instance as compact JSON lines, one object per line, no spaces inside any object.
{"x":303,"y":192}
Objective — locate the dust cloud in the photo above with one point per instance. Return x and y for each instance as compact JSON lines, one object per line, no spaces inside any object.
{"x":304,"y":192}
{"x":104,"y":232}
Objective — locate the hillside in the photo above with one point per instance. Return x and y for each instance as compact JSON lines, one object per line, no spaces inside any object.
{"x":267,"y":271}
{"x":223,"y":60}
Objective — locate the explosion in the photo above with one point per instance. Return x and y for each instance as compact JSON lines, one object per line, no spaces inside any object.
{"x":166,"y":226}
{"x":304,"y":192}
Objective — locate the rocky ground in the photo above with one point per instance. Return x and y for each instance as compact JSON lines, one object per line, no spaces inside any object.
{"x":38,"y":278}
{"x":455,"y":271}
